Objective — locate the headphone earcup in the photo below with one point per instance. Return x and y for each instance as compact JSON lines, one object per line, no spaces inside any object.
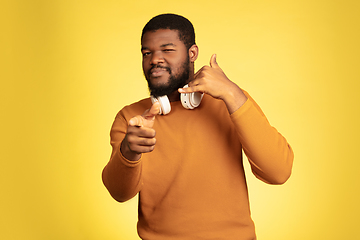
{"x":165,"y":106}
{"x":191,"y":100}
{"x":185,"y":100}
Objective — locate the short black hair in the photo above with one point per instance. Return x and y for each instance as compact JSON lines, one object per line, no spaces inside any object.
{"x":173,"y":22}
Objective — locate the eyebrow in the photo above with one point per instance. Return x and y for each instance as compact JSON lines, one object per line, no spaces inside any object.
{"x":168,"y":44}
{"x":164,"y":45}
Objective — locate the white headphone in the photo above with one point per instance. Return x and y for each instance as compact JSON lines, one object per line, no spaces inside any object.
{"x":188,"y":100}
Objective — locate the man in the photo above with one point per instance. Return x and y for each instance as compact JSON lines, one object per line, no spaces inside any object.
{"x":187,"y":165}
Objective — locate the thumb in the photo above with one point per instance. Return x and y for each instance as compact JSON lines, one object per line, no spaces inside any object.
{"x":213,"y":62}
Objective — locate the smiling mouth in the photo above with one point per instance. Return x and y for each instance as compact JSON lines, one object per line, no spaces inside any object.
{"x":158,"y":71}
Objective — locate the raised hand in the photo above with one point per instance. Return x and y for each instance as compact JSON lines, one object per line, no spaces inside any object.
{"x":213,"y":81}
{"x":140,"y":135}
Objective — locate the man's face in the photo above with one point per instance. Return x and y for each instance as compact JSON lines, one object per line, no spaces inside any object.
{"x":166,"y":62}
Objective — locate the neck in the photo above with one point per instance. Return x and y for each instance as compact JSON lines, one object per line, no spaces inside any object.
{"x":175,"y":96}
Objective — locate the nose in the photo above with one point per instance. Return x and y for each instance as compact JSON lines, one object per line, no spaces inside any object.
{"x":157,"y":58}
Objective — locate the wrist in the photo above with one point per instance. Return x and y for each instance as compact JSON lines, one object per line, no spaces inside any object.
{"x":234,"y":99}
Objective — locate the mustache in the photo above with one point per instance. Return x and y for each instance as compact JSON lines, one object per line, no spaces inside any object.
{"x":159,"y":66}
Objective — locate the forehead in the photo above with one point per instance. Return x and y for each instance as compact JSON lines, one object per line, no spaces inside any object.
{"x":161,"y":37}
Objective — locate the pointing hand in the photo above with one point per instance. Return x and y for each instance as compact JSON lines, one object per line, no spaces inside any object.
{"x":140,"y":136}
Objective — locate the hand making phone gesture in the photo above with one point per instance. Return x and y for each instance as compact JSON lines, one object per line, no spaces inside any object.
{"x":213,"y":81}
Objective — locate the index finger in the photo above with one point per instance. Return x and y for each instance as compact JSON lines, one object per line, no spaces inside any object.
{"x":189,"y":89}
{"x":152,"y":112}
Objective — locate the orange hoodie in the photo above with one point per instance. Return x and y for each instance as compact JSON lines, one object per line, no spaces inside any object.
{"x":192,"y":186}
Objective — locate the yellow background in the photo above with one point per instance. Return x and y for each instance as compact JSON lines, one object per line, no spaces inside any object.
{"x":68,"y":66}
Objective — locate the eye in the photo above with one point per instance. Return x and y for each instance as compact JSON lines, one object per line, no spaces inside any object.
{"x":146,"y":54}
{"x":169,"y":50}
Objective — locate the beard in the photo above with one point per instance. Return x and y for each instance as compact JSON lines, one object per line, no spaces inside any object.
{"x":174,"y":82}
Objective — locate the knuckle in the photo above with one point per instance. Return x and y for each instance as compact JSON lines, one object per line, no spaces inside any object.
{"x":145,"y":142}
{"x":147,"y":149}
{"x":151,"y":142}
{"x":151,"y":148}
{"x":152,"y":133}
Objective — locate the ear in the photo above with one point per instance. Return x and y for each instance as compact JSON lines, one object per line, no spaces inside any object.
{"x":193,"y":53}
